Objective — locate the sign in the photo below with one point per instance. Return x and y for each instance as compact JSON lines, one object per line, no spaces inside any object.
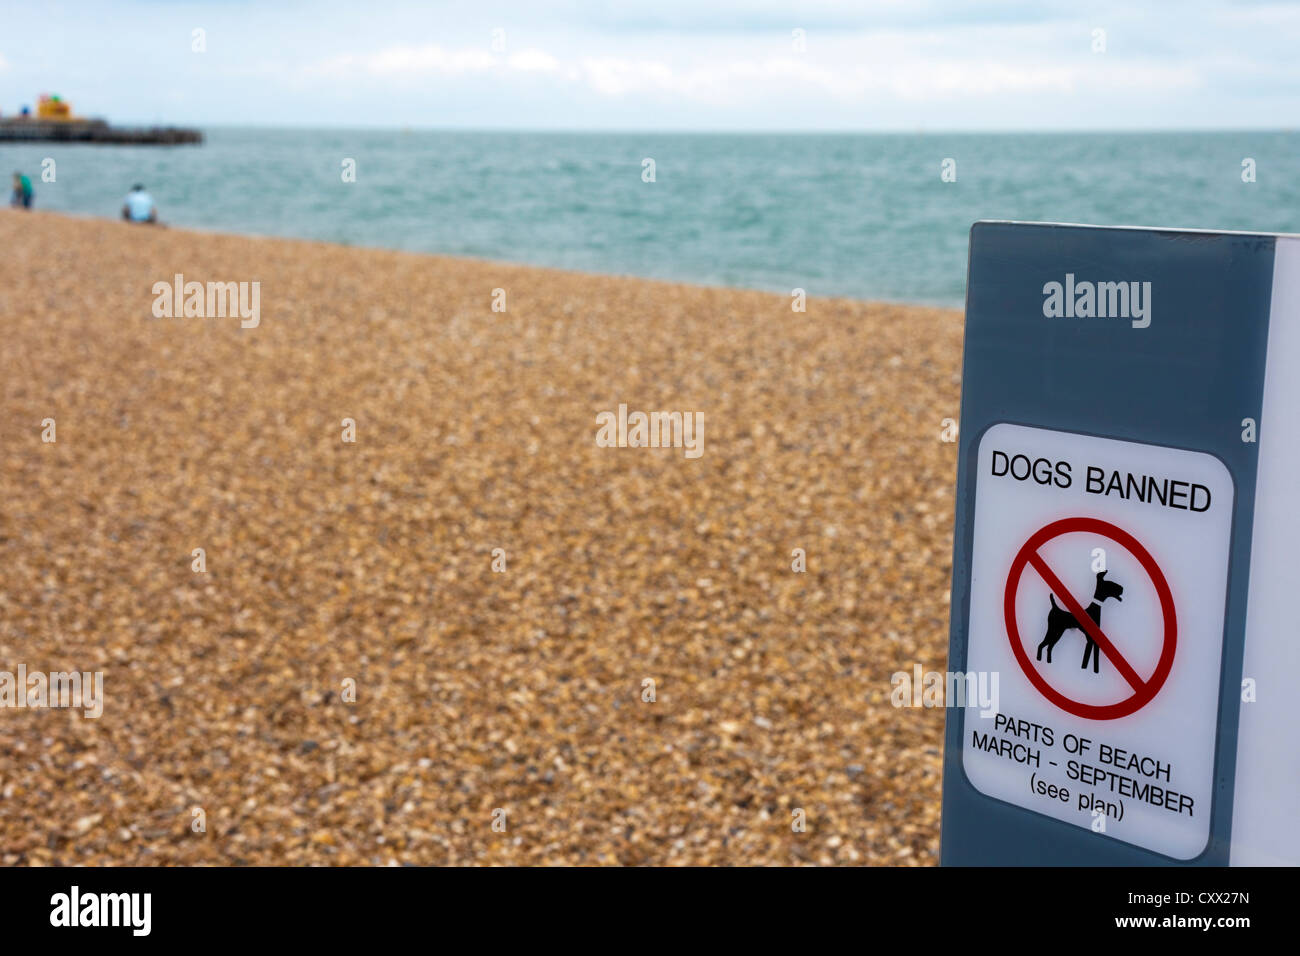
{"x":1088,"y":620}
{"x":1100,"y":575}
{"x":1126,"y":522}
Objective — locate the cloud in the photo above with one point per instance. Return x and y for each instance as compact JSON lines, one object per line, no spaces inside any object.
{"x":876,"y":66}
{"x":720,"y":64}
{"x":432,"y":59}
{"x":743,"y":80}
{"x":429,"y":58}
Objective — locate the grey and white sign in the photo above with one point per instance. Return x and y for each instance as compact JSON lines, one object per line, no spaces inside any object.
{"x":1124,"y":544}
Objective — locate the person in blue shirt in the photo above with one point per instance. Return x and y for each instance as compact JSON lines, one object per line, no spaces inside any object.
{"x":22,"y":195}
{"x":139,"y":206}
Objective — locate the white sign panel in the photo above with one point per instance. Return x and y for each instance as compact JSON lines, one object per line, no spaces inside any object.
{"x":1265,"y":810}
{"x":1099,"y":577}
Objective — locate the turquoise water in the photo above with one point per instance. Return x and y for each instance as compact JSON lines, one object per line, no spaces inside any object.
{"x":865,"y":216}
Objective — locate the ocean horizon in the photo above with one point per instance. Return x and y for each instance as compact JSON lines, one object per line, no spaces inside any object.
{"x":878,"y":216}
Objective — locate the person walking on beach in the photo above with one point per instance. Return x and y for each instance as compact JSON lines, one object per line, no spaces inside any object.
{"x":22,"y":191}
{"x":139,"y":206}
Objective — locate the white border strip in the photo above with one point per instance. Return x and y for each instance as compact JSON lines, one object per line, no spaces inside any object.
{"x":1266,"y":802}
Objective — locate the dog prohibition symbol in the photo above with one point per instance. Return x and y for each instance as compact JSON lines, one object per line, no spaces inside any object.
{"x":1060,"y":620}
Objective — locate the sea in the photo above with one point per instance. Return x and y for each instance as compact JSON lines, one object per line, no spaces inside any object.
{"x":866,"y":216}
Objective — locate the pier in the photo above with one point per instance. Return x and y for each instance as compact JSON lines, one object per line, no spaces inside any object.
{"x":28,"y":129}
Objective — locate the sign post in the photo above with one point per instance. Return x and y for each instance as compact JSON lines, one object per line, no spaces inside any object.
{"x":1123,"y":547}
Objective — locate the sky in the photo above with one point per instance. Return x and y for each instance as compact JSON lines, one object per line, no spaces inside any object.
{"x":661,"y":64}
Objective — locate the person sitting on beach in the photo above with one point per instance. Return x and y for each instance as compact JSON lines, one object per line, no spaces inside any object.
{"x":139,"y":206}
{"x":22,"y":191}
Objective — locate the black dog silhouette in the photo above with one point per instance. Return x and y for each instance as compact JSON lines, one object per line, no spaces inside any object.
{"x":1059,"y":621}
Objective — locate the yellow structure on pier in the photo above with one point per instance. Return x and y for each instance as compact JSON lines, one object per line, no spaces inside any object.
{"x":51,"y":107}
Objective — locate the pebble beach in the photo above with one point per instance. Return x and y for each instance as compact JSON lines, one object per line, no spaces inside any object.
{"x":472,"y":635}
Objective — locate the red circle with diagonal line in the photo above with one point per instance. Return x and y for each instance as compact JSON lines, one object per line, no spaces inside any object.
{"x":1143,"y":690}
